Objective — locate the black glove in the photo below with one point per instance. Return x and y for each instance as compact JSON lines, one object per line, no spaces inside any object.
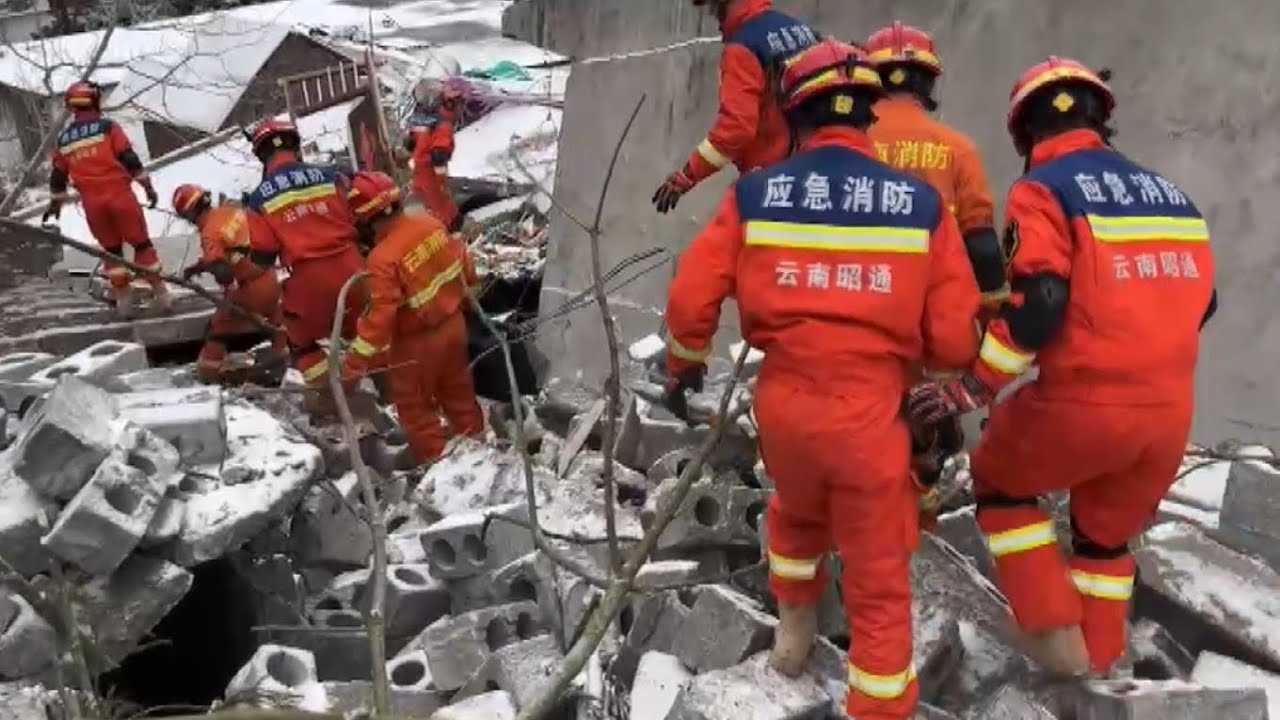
{"x":152,"y":197}
{"x":672,"y":189}
{"x":673,"y":391}
{"x":192,"y":270}
{"x":52,"y":211}
{"x":440,"y":157}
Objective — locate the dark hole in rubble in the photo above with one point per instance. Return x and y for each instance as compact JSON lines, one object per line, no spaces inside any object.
{"x":474,"y":548}
{"x":707,"y":511}
{"x":755,"y":513}
{"x":197,"y":648}
{"x":25,"y":405}
{"x":123,"y":499}
{"x":188,"y":484}
{"x":520,"y":590}
{"x":408,"y":673}
{"x":840,"y":641}
{"x":1151,"y":669}
{"x":626,"y":619}
{"x":491,"y":686}
{"x":632,"y":495}
{"x":497,"y":634}
{"x":343,"y":620}
{"x":681,"y":464}
{"x":534,"y":445}
{"x":105,"y":349}
{"x":687,"y":596}
{"x":489,"y":369}
{"x":55,"y":373}
{"x":8,"y":612}
{"x":287,"y":669}
{"x":409,"y":576}
{"x":739,"y":558}
{"x":141,"y":462}
{"x":396,"y":523}
{"x":526,"y":626}
{"x":442,"y":554}
{"x":329,"y":603}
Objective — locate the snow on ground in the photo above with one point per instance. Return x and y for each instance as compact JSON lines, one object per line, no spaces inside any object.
{"x":1226,"y":673}
{"x":483,"y":54}
{"x":484,"y":148}
{"x":1202,"y":483}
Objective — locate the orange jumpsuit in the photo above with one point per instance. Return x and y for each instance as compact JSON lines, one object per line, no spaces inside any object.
{"x":749,"y":130}
{"x":300,"y":213}
{"x":94,"y":153}
{"x":846,"y":274}
{"x":1108,"y":418}
{"x":224,"y":242}
{"x":907,"y":137}
{"x":418,"y":278}
{"x":432,"y":146}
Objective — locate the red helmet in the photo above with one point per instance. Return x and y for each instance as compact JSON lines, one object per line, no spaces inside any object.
{"x":1049,"y":73}
{"x":271,"y":135}
{"x":826,"y":66}
{"x":83,"y":95}
{"x":900,"y":43}
{"x":372,"y":193}
{"x":190,"y":200}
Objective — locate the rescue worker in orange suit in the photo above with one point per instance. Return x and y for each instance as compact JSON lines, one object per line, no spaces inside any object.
{"x":1112,"y":281}
{"x":418,"y":279}
{"x":432,"y":146}
{"x":95,"y":155}
{"x":749,"y":131}
{"x":908,"y":138}
{"x":847,"y":273}
{"x":224,"y":253}
{"x":299,"y":214}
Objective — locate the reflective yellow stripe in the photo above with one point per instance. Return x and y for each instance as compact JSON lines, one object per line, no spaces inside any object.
{"x":1107,"y":587}
{"x":861,"y":74}
{"x":315,"y":372}
{"x":82,"y":144}
{"x":884,"y":687}
{"x":423,"y":296}
{"x":1004,"y":358}
{"x":363,"y":347}
{"x":791,"y":568}
{"x":837,"y":237}
{"x":387,"y":196}
{"x":1027,"y":537}
{"x":296,"y":196}
{"x":711,"y":154}
{"x":1148,"y":229}
{"x":684,"y":352}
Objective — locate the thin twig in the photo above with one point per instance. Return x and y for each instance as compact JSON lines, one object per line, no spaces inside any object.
{"x":611,"y":603}
{"x":613,"y":384}
{"x":375,"y":623}
{"x":48,"y":235}
{"x":55,"y":129}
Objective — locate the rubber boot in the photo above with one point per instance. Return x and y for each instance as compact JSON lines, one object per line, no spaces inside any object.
{"x":1061,"y":651}
{"x":124,"y":302}
{"x":794,"y":637}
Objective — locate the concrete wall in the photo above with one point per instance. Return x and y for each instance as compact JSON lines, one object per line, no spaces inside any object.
{"x":1197,"y":101}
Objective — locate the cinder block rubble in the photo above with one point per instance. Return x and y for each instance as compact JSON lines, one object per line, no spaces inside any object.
{"x":326,"y":530}
{"x":102,"y":360}
{"x":192,"y":419}
{"x":1010,"y":703}
{"x":278,"y":675}
{"x":455,"y":548}
{"x":21,"y":526}
{"x":708,"y":517}
{"x":723,"y":629}
{"x":126,"y":605}
{"x":415,"y":599}
{"x":496,"y":705}
{"x":1168,"y":700}
{"x":753,"y":690}
{"x":523,"y":668}
{"x":456,"y":647}
{"x":28,"y":644}
{"x":71,"y":434}
{"x":1227,"y":673}
{"x":1250,"y":516}
{"x":658,"y":680}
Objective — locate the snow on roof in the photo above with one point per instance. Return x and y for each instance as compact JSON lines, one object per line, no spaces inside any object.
{"x":485,"y":148}
{"x":485,"y":53}
{"x":197,"y":84}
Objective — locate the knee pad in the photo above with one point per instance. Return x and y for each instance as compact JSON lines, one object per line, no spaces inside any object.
{"x":1086,"y":547}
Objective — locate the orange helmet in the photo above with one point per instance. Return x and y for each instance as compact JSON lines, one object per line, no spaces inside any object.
{"x":271,"y":135}
{"x":372,"y":194}
{"x":905,"y":44}
{"x":1050,"y":73}
{"x":829,"y":65}
{"x":83,"y":95}
{"x":189,"y":201}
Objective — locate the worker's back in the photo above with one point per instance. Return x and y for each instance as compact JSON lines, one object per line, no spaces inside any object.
{"x":429,"y":266}
{"x":304,"y":210}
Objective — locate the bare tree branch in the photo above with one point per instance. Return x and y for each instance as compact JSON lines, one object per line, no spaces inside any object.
{"x":375,"y":623}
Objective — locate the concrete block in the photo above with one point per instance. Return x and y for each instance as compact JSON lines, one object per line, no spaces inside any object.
{"x":280,"y":676}
{"x":192,"y":419}
{"x":409,"y":671}
{"x":28,"y":644}
{"x":706,"y":518}
{"x":960,"y":530}
{"x":1227,"y":673}
{"x":110,"y":515}
{"x":1010,"y":703}
{"x":458,"y":646}
{"x":455,"y":548}
{"x":1156,"y":653}
{"x":354,"y":698}
{"x":341,"y":654}
{"x":1250,"y":517}
{"x":105,"y":359}
{"x":126,"y":605}
{"x":723,"y":629}
{"x":750,"y":689}
{"x":650,"y":623}
{"x":415,"y":599}
{"x":1182,"y":574}
{"x":1168,"y":700}
{"x":523,"y":668}
{"x":326,"y":530}
{"x":70,"y":435}
{"x":21,"y":524}
{"x":657,"y":683}
{"x":496,"y":705}
{"x":942,"y":577}
{"x":166,"y":524}
{"x":18,"y":366}
{"x":529,"y":578}
{"x":938,"y":649}
{"x":278,"y":592}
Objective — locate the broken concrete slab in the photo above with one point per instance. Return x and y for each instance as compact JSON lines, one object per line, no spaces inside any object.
{"x":942,"y":577}
{"x":524,"y":668}
{"x":471,"y":477}
{"x":658,"y":680}
{"x":724,"y":628}
{"x":458,"y":646}
{"x":354,"y":698}
{"x":167,"y":523}
{"x":988,"y":663}
{"x":192,"y":419}
{"x":1227,"y":673}
{"x":24,"y":701}
{"x":70,"y":435}
{"x":104,"y":359}
{"x":1010,"y":703}
{"x":1159,"y":655}
{"x":414,"y":600}
{"x":409,"y":671}
{"x":496,"y":705}
{"x":1250,"y":517}
{"x":341,"y":652}
{"x":1167,"y":700}
{"x":529,"y":578}
{"x":125,"y":606}
{"x":23,"y":514}
{"x":1209,"y":595}
{"x":327,"y":531}
{"x":279,"y":676}
{"x":28,"y":644}
{"x":581,"y":427}
{"x":20,"y":366}
{"x":706,"y":518}
{"x":651,"y":623}
{"x":753,"y":690}
{"x":938,"y":650}
{"x":278,"y":592}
